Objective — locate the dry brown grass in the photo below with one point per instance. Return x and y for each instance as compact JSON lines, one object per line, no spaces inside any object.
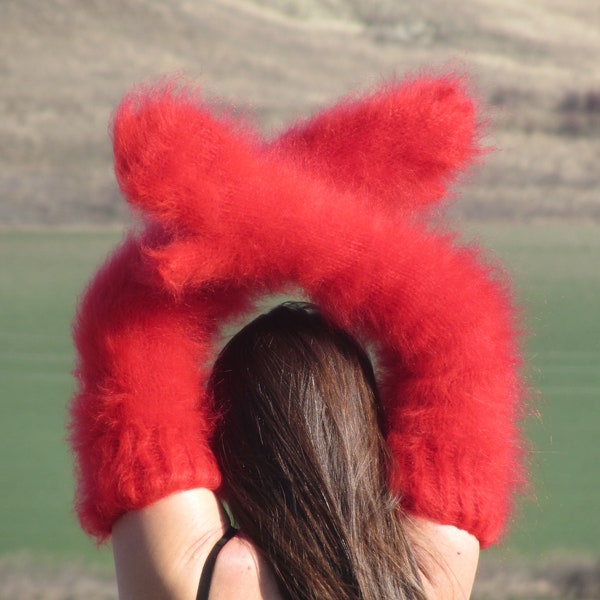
{"x":562,"y":577}
{"x":22,"y":578}
{"x":64,"y":64}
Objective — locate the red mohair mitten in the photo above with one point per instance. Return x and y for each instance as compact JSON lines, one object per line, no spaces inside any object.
{"x":401,"y":145}
{"x":139,"y":428}
{"x":239,"y":218}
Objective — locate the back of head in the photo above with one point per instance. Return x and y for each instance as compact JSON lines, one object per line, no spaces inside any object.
{"x":304,"y":460}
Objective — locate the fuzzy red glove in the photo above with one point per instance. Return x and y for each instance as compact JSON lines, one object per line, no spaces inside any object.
{"x":233,"y":219}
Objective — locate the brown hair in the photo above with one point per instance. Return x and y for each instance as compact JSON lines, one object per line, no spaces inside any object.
{"x":304,"y":460}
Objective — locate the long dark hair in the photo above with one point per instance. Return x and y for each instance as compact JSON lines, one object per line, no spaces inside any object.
{"x":304,"y":460}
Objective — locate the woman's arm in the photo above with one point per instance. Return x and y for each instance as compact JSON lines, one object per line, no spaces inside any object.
{"x":449,"y":558}
{"x":159,"y":550}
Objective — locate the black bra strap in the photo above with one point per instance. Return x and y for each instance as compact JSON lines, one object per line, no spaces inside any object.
{"x":209,"y":565}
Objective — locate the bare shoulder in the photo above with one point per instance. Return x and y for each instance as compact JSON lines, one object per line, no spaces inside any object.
{"x":450,"y":558}
{"x":242,"y":572}
{"x":159,"y":550}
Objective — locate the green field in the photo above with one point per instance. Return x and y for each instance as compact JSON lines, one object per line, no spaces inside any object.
{"x":556,"y":266}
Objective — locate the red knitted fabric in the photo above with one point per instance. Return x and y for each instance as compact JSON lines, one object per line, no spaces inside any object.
{"x":329,"y":207}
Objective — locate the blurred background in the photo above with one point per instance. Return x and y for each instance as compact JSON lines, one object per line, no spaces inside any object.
{"x":535,"y":203}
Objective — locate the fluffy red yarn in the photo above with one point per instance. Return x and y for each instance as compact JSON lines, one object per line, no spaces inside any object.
{"x":327,"y":207}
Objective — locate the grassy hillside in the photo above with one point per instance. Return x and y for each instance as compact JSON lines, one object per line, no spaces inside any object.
{"x":65,"y":63}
